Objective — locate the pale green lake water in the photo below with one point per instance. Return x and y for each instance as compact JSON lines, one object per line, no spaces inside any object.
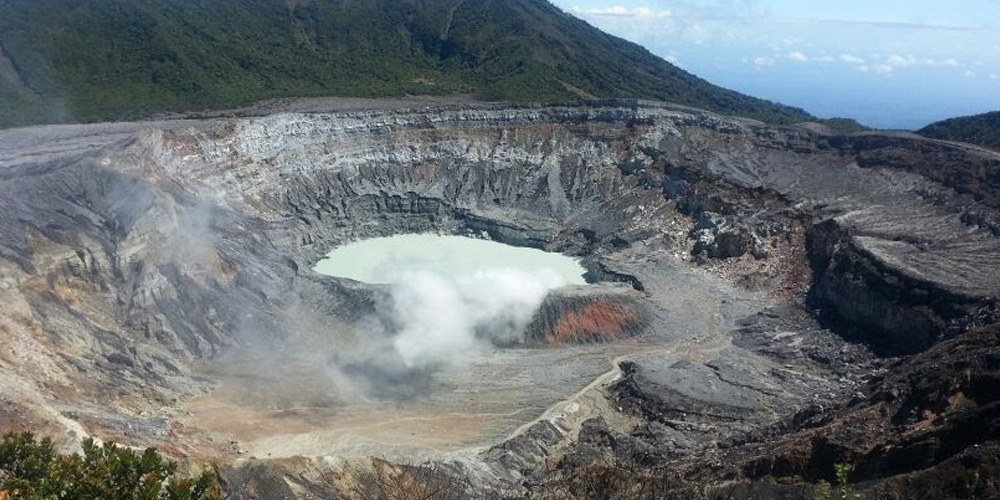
{"x":382,"y":260}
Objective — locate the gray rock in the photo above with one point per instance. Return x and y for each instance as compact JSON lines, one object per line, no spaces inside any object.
{"x":132,"y":254}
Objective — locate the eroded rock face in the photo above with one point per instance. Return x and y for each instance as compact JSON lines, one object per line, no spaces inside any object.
{"x":588,"y":314}
{"x":898,"y":255}
{"x":130,"y":255}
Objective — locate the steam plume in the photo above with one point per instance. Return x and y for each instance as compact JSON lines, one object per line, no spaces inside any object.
{"x":441,"y":317}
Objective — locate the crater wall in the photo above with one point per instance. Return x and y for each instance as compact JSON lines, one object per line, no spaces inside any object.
{"x":129,"y":254}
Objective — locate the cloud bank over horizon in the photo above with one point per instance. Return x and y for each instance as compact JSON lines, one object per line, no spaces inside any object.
{"x":891,"y":64}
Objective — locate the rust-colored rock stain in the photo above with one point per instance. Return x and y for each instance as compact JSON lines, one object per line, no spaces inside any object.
{"x":600,"y":321}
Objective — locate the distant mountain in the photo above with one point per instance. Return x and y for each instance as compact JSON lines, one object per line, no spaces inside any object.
{"x":73,"y":60}
{"x":982,"y":130}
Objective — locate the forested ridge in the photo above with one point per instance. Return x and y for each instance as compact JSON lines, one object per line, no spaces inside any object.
{"x":96,"y":60}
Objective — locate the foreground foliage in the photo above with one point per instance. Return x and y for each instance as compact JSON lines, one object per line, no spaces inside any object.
{"x":31,"y":468}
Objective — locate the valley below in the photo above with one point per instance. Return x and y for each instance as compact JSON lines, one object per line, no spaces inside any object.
{"x":762,"y":302}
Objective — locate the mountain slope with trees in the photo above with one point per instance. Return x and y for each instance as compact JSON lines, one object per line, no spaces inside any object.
{"x":64,"y":60}
{"x":982,"y":130}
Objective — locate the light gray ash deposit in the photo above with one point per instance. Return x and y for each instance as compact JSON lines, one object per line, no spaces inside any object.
{"x":163,"y":271}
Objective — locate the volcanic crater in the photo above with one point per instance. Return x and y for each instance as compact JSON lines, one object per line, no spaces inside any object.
{"x":158,"y":285}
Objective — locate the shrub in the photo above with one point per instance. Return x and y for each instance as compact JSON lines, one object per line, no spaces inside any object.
{"x":31,"y":468}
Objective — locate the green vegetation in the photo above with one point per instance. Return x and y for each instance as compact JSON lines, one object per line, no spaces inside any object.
{"x":31,"y":469}
{"x":844,"y":125}
{"x":843,"y":492}
{"x":66,"y":60}
{"x":982,"y":130}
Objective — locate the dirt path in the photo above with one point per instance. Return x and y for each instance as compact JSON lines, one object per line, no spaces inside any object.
{"x":557,"y":413}
{"x":569,"y":414}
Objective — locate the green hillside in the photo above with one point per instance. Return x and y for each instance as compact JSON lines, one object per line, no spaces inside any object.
{"x":74,"y":60}
{"x":983,"y":130}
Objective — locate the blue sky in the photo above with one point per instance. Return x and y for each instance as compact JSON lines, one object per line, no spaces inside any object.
{"x":887,"y":63}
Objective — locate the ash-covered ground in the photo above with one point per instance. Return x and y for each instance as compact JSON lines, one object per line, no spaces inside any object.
{"x":751,"y":283}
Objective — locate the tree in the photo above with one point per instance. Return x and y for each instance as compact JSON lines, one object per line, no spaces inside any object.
{"x":31,"y":468}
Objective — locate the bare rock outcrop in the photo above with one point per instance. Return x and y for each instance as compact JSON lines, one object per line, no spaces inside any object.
{"x":132,"y":256}
{"x":588,"y":314}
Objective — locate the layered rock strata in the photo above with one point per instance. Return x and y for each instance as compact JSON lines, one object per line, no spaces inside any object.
{"x":132,"y":254}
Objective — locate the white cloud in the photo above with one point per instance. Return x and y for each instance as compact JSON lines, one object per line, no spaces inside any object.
{"x":948,"y":63}
{"x":798,"y":56}
{"x":879,"y":69}
{"x":994,"y":77}
{"x":945,"y":63}
{"x":763,"y":61}
{"x":851,"y":59}
{"x":622,"y":11}
{"x":892,"y":62}
{"x":898,"y":61}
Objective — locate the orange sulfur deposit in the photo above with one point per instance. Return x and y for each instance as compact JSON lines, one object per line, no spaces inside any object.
{"x":599,"y":321}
